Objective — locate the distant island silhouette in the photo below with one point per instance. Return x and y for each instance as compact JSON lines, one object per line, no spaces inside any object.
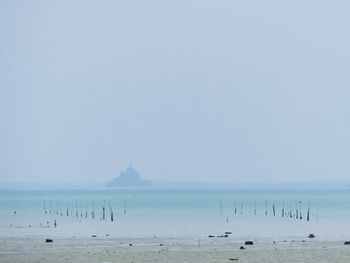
{"x":129,"y":178}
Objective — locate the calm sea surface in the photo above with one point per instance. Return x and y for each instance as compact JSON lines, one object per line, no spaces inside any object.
{"x":176,"y":213}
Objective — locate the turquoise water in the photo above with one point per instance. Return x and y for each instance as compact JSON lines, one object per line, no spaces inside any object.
{"x":176,"y":213}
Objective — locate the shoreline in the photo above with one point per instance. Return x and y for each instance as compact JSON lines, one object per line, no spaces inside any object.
{"x":35,"y":232}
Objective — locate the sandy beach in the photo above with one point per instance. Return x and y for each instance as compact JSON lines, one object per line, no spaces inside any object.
{"x":109,"y":249}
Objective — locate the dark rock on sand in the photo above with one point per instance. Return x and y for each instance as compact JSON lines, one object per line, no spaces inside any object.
{"x":242,"y":247}
{"x":48,"y":240}
{"x":311,"y":236}
{"x":233,"y":259}
{"x":228,"y":233}
{"x":93,"y":236}
{"x":347,"y":243}
{"x":211,"y":236}
{"x":249,"y":243}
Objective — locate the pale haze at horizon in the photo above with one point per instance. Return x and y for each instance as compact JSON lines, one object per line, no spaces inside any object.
{"x":185,"y":90}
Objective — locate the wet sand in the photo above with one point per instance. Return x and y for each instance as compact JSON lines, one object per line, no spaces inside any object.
{"x":109,"y":249}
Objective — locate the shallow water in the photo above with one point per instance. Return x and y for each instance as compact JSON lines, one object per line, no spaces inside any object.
{"x":176,"y":213}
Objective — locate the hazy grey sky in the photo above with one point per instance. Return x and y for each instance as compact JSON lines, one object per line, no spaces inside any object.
{"x":209,"y":90}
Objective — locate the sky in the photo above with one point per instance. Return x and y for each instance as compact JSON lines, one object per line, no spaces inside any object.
{"x":184,"y":90}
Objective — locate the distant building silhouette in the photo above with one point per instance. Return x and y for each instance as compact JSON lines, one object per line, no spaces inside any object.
{"x":129,"y":178}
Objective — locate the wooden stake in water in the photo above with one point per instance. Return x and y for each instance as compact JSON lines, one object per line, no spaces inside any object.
{"x":266,"y":208}
{"x":254,"y":208}
{"x":308,"y":212}
{"x":93,"y":210}
{"x":44,"y":207}
{"x":283,"y":210}
{"x":296,"y":210}
{"x":300,"y":216}
{"x":103,"y":211}
{"x":273,"y":210}
{"x":50,"y":206}
{"x":124,"y":206}
{"x":235,"y":207}
{"x":76,"y":209}
{"x":110,"y":208}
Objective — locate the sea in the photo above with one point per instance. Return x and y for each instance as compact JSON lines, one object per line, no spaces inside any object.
{"x":277,"y":214}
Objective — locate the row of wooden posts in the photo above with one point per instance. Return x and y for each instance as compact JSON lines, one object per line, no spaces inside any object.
{"x":77,"y":212}
{"x":297,"y":213}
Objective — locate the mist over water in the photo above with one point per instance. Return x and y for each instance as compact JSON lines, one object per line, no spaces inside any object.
{"x":187,"y":90}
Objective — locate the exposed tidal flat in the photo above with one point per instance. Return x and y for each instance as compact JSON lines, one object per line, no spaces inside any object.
{"x":109,"y":249}
{"x":175,"y":225}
